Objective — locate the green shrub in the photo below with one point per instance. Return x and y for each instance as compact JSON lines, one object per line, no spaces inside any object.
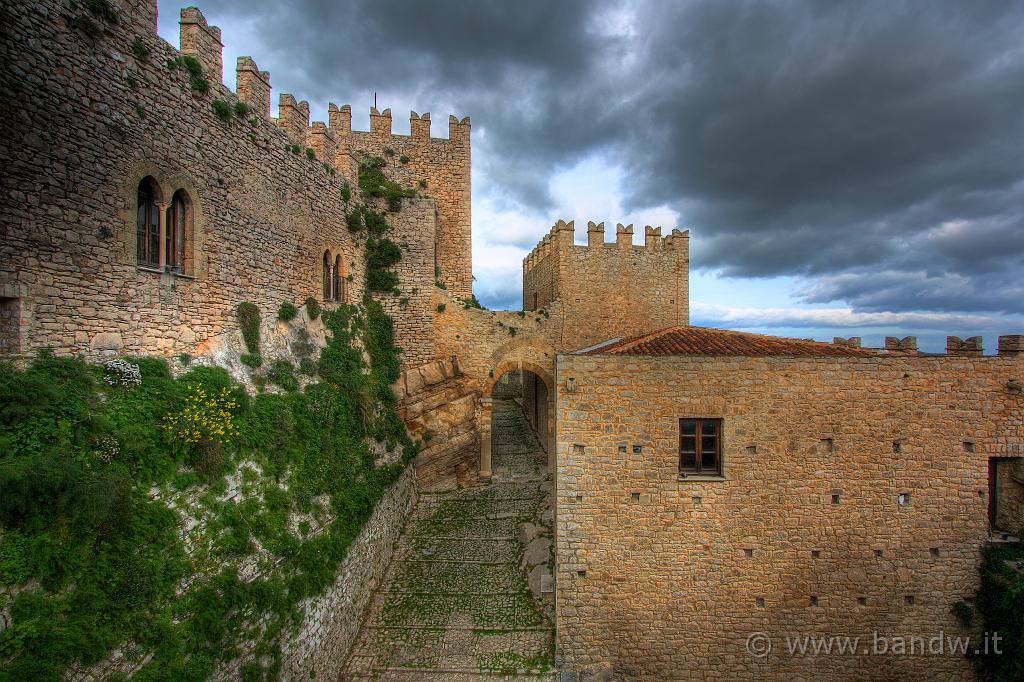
{"x":403,"y":159}
{"x":381,"y":254}
{"x":963,"y":612}
{"x":473,"y":302}
{"x":242,"y":109}
{"x":1000,"y":603}
{"x":296,"y":149}
{"x":101,"y":9}
{"x":313,"y":308}
{"x":248,"y":316}
{"x":423,"y":184}
{"x":388,"y":151}
{"x":282,"y":373}
{"x":253,"y":360}
{"x":185,"y":359}
{"x":222,"y":109}
{"x":310,"y":153}
{"x":308,"y":366}
{"x":346,"y":191}
{"x":287,"y":312}
{"x":376,"y":223}
{"x":194,"y":69}
{"x":374,"y":183}
{"x":79,"y":457}
{"x":353,"y":219}
{"x":440,"y":307}
{"x":140,"y":51}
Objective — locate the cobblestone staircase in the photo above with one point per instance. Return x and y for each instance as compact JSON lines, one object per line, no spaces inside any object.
{"x":455,"y":603}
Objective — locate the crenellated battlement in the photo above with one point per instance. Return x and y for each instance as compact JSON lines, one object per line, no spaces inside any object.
{"x":197,"y":38}
{"x":203,"y":41}
{"x":562,"y":233}
{"x":603,"y":283}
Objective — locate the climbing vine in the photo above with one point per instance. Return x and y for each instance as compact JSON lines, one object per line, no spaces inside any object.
{"x":92,"y":473}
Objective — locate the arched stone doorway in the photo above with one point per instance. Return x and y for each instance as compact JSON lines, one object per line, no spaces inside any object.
{"x":536,"y":389}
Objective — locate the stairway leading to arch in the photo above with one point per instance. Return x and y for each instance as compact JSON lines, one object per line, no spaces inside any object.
{"x":455,"y":604}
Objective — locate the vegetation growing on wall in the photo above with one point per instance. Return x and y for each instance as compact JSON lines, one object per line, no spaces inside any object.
{"x":194,"y":69}
{"x":248,"y":316}
{"x":93,"y":466}
{"x":381,"y":254}
{"x":1000,"y":603}
{"x":374,"y":183}
{"x":287,"y":312}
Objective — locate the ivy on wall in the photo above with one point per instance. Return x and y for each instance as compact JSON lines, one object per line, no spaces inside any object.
{"x":90,"y":469}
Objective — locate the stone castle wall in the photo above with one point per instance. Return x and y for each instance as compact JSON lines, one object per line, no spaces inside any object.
{"x":413,"y":230}
{"x":84,"y":135}
{"x":600,"y":291}
{"x":658,"y":574}
{"x":435,"y":167}
{"x":332,"y":620}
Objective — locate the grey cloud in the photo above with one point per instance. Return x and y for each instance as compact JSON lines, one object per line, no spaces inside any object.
{"x":829,"y":140}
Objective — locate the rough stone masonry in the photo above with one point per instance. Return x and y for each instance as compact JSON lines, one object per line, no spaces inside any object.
{"x":856,"y":486}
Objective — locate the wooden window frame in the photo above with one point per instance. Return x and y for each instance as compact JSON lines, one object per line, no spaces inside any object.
{"x":698,"y":436}
{"x":147,"y":225}
{"x":177,"y":226}
{"x":328,"y":276}
{"x":337,"y":281}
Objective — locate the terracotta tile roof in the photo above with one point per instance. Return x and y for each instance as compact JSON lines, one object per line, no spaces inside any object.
{"x":705,"y":341}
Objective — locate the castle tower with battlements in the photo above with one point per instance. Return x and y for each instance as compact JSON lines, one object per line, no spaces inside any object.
{"x":172,"y":199}
{"x":603,"y":290}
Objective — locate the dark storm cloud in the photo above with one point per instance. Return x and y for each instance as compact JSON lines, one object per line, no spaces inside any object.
{"x":835,"y":140}
{"x":520,"y":69}
{"x":877,"y":148}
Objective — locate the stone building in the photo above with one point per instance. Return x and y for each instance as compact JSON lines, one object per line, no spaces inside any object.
{"x":710,"y":485}
{"x":749,"y":484}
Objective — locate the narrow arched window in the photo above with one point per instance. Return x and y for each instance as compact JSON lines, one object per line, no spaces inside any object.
{"x":147,"y":226}
{"x":339,"y":283}
{"x":177,"y":224}
{"x":327,"y":276}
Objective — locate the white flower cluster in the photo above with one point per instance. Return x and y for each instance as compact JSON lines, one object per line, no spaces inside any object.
{"x":120,"y":372}
{"x":108,"y":448}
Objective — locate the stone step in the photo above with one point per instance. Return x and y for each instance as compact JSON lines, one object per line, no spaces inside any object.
{"x":450,"y":577}
{"x":453,"y":604}
{"x":460,"y":649}
{"x":432,"y":548}
{"x":443,"y":526}
{"x":491,"y":491}
{"x":436,"y":675}
{"x":510,"y":611}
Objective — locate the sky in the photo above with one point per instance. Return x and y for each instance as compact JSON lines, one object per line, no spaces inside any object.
{"x":844,"y":169}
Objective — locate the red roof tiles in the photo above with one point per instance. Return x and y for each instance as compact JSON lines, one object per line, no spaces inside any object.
{"x":706,"y":341}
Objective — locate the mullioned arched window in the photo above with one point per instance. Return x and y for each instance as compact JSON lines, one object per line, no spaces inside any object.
{"x":178,"y":224}
{"x":328,"y":276}
{"x":147,"y":226}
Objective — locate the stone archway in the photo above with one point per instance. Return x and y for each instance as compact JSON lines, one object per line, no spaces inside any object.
{"x":546,"y":410}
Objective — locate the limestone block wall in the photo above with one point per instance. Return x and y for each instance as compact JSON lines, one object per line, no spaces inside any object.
{"x":413,"y":229}
{"x":535,"y":406}
{"x":442,"y":165}
{"x":608,"y":290}
{"x":332,"y":620}
{"x":1009,"y":502}
{"x":483,"y":339}
{"x":439,"y":400}
{"x":74,"y":150}
{"x":804,"y":534}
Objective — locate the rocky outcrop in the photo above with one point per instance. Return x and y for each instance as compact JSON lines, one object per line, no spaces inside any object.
{"x":438,"y":404}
